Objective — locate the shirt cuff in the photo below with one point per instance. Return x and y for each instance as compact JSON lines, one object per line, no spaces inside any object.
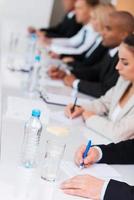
{"x":104,"y":189}
{"x":75,"y":84}
{"x":100,"y":153}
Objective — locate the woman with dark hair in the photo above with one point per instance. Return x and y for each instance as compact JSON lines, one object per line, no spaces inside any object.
{"x":122,"y":153}
{"x":112,"y":115}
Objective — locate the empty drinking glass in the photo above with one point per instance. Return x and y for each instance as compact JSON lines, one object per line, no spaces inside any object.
{"x":53,"y":156}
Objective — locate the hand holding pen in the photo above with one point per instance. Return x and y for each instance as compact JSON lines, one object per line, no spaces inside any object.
{"x":87,"y":155}
{"x":72,"y":110}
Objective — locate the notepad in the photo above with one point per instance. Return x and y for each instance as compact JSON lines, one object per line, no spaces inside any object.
{"x":102,"y":171}
{"x":62,"y":96}
{"x":60,"y":117}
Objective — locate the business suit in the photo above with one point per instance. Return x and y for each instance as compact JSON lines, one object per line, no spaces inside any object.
{"x":96,"y":79}
{"x":121,"y":153}
{"x":123,"y":126}
{"x":83,"y":61}
{"x":66,"y":28}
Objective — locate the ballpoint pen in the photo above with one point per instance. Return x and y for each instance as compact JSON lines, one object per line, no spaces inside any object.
{"x":85,"y":153}
{"x":74,"y":105}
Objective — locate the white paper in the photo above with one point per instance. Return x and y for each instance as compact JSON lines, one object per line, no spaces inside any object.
{"x":103,"y":171}
{"x":21,"y":108}
{"x":60,"y":117}
{"x":63,"y":95}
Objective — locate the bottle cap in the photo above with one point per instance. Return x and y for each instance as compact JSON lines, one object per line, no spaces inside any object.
{"x":33,"y":36}
{"x":37,"y":58}
{"x":36,"y":113}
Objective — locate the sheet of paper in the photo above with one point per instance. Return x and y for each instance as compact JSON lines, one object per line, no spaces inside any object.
{"x":21,"y":108}
{"x":6,"y":191}
{"x":50,"y":82}
{"x":103,"y":171}
{"x":60,"y":117}
{"x":63,"y":95}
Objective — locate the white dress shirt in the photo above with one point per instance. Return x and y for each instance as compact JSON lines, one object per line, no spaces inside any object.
{"x":95,"y":45}
{"x":116,"y":112}
{"x":70,"y":14}
{"x":77,"y":44}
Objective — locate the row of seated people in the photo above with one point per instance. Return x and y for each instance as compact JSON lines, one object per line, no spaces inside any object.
{"x":95,"y":74}
{"x":99,"y":57}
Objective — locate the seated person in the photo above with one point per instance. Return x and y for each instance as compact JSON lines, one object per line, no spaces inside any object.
{"x":112,"y":115}
{"x":97,"y":189}
{"x":68,"y":23}
{"x":97,"y":18}
{"x":83,"y":39}
{"x":97,"y":50}
{"x":96,"y":79}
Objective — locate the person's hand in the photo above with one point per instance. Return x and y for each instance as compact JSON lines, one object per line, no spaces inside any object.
{"x":31,"y":29}
{"x":54,"y":55}
{"x":87,"y":114}
{"x":92,"y":157}
{"x":69,"y":79}
{"x":56,"y":73}
{"x":84,"y":186}
{"x":40,"y":34}
{"x":77,"y":111}
{"x":43,"y":40}
{"x":68,"y":59}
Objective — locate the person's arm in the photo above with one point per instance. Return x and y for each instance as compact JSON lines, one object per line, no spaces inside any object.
{"x":54,"y":31}
{"x":119,"y":191}
{"x":91,"y":83}
{"x":120,"y":153}
{"x":73,"y":43}
{"x":101,"y":106}
{"x":115,"y":131}
{"x":58,"y":44}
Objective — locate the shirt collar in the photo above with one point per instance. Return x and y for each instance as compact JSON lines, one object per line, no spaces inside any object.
{"x":113,"y":51}
{"x":70,"y":14}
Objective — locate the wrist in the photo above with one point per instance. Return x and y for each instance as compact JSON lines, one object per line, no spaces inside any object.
{"x":98,"y":153}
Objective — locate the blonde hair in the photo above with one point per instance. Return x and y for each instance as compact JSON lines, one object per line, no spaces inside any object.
{"x":102,"y":11}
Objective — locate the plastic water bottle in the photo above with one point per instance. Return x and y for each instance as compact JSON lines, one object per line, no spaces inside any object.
{"x":30,"y":147}
{"x":35,"y":74}
{"x":30,"y":51}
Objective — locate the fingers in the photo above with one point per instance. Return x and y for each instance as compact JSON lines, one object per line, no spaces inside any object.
{"x":91,"y":158}
{"x":68,"y":110}
{"x":73,"y":183}
{"x":79,"y":155}
{"x":77,"y":111}
{"x":53,"y":72}
{"x":85,"y":186}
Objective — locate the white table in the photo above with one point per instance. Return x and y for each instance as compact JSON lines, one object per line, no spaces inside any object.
{"x":12,"y":136}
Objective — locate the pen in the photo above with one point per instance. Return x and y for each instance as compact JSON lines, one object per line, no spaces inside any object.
{"x":86,"y":153}
{"x":74,"y":105}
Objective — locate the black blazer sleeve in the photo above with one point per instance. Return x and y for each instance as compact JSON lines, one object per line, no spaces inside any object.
{"x":95,"y":80}
{"x":119,"y":191}
{"x":95,"y":56}
{"x":66,"y":28}
{"x":121,"y":153}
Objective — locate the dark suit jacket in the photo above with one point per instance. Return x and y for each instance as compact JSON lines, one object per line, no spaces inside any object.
{"x":121,"y":153}
{"x":96,"y":79}
{"x":66,"y":28}
{"x":94,"y":57}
